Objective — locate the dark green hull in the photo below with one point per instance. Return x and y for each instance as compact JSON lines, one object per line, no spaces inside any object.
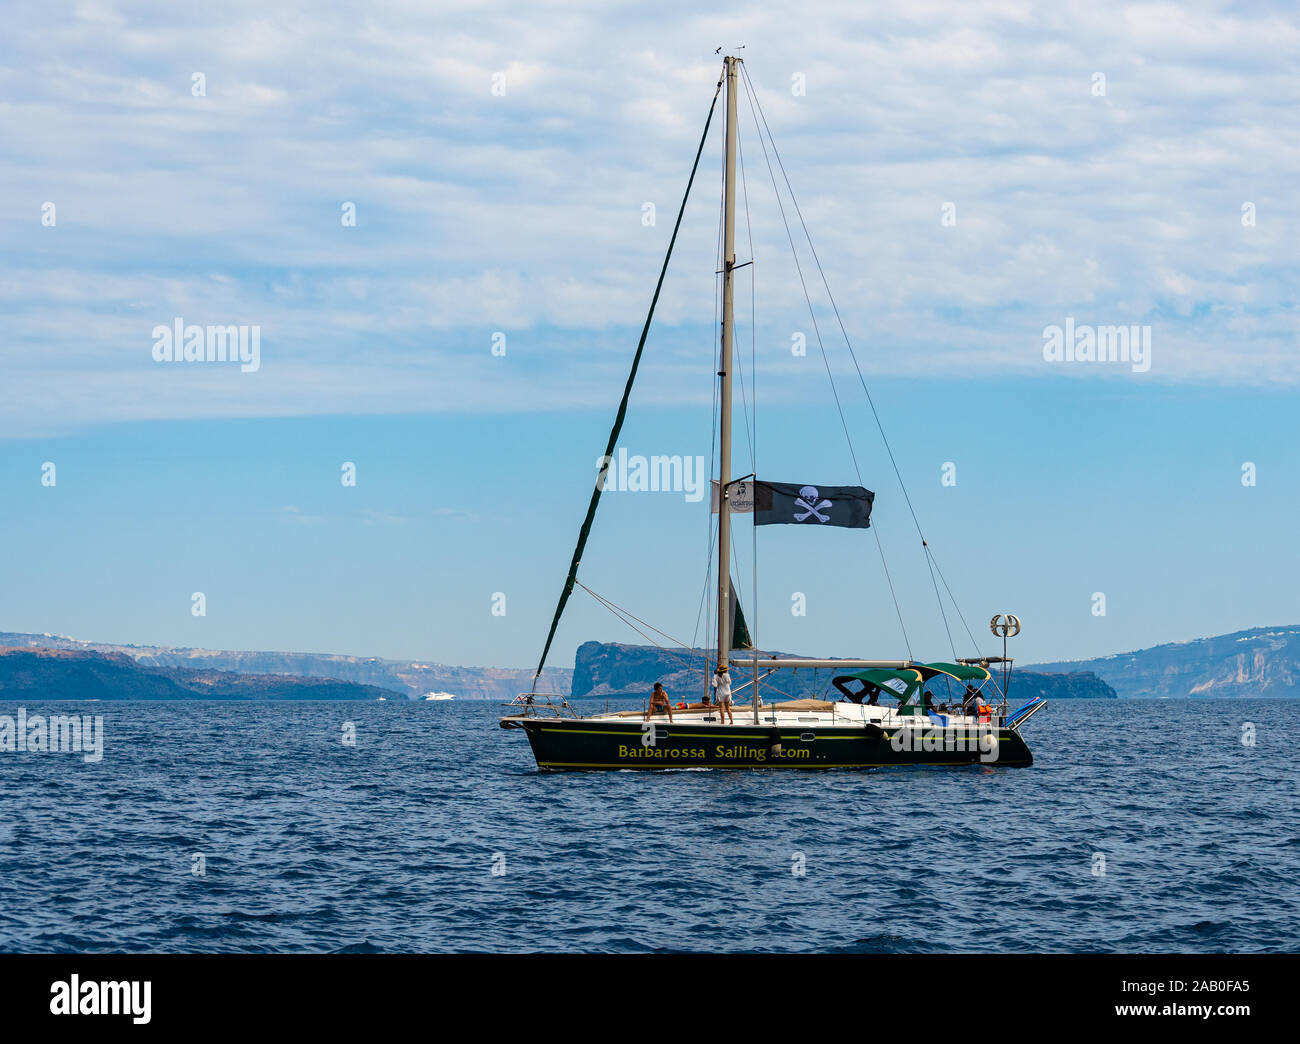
{"x":567,"y":743}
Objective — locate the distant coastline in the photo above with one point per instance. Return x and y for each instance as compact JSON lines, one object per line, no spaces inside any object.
{"x":58,"y":674}
{"x":1261,"y":662}
{"x":396,"y":678}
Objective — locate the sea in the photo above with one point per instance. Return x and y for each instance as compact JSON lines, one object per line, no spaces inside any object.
{"x":1143,"y":826}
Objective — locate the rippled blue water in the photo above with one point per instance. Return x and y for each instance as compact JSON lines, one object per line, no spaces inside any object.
{"x":312,"y":845}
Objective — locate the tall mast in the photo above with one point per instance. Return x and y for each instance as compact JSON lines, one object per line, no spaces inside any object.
{"x":724,"y":371}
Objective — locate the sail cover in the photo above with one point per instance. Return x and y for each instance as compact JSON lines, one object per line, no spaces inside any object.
{"x":790,"y":503}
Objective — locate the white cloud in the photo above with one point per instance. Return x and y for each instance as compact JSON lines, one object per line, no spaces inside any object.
{"x":522,"y":213}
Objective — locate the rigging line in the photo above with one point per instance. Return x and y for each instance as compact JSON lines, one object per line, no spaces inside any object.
{"x":751,"y":432}
{"x":621,"y":619}
{"x":753,"y":377}
{"x":695,"y":635}
{"x":745,"y":685}
{"x":713,"y":422}
{"x":744,"y":399}
{"x":835,"y":308}
{"x":620,"y":611}
{"x":843,"y":330}
{"x":960,"y":615}
{"x":744,"y":409}
{"x":939,"y":598}
{"x":625,"y":617}
{"x":750,"y":94}
{"x":619,"y":417}
{"x":662,"y":648}
{"x":706,"y":605}
{"x":778,"y":691}
{"x":740,"y":366}
{"x":807,"y":297}
{"x":708,"y":554}
{"x":884,"y":564}
{"x":848,"y":343}
{"x":749,"y":403}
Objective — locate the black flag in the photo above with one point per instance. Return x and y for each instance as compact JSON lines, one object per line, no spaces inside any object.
{"x":788,"y":503}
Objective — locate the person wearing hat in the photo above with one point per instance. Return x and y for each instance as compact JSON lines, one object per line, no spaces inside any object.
{"x":722,"y":694}
{"x":659,"y":702}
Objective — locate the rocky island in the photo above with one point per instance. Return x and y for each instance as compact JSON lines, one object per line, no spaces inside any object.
{"x":611,"y":669}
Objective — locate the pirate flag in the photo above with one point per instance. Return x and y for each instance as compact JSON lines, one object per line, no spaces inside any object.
{"x":785,"y":503}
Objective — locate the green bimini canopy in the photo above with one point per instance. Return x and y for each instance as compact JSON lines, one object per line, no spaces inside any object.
{"x":900,"y":683}
{"x":960,"y":671}
{"x":906,"y":683}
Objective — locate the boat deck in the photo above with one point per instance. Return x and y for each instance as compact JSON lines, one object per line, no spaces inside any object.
{"x":811,"y":713}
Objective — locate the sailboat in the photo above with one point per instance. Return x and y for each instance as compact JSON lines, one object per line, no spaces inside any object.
{"x":856,"y":730}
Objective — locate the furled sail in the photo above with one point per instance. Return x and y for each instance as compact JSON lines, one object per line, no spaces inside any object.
{"x":740,"y":638}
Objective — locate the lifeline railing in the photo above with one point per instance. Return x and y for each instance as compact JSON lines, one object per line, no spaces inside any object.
{"x":537,"y":703}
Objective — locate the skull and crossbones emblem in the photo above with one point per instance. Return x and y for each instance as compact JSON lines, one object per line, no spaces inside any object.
{"x":807,"y":499}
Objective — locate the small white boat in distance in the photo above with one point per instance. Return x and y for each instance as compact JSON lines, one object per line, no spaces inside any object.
{"x":439,"y":696}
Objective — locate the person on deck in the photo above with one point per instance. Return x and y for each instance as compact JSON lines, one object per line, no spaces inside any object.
{"x":659,"y":703}
{"x":933,"y":712}
{"x":969,"y":699}
{"x":722,"y":693}
{"x":975,"y":706}
{"x":705,"y":704}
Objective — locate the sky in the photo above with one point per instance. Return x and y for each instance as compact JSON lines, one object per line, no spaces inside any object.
{"x":388,"y":191}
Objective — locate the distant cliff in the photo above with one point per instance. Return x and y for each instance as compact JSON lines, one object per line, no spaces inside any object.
{"x":1259,"y":662}
{"x":1264,"y":661}
{"x":410,"y":678}
{"x":608,"y":669}
{"x":59,"y":674}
